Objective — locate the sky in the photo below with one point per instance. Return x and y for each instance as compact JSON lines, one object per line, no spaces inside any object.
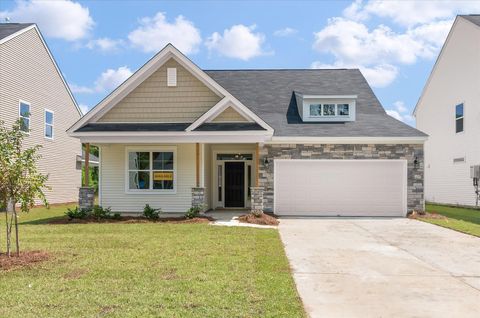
{"x":98,"y":44}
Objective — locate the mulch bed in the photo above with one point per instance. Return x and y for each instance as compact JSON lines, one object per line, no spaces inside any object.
{"x":427,"y":215}
{"x":26,"y":259}
{"x":263,"y":219}
{"x":132,"y":219}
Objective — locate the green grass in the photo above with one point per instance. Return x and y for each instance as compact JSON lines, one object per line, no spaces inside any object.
{"x":460,"y":219}
{"x":149,"y":270}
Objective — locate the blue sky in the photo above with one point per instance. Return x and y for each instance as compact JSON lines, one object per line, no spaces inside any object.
{"x":98,"y":44}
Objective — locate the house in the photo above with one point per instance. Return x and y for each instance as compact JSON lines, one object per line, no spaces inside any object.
{"x":292,"y":142}
{"x":448,"y":110}
{"x":33,"y":89}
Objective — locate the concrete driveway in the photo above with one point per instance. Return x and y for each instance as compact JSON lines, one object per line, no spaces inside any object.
{"x":383,"y":268}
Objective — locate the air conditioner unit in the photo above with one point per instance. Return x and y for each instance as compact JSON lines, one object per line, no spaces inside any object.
{"x":475,"y":172}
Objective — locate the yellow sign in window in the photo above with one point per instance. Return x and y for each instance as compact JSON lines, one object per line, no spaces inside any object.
{"x":162,"y":176}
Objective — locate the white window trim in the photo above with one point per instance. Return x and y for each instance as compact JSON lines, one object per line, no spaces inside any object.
{"x":171,"y":77}
{"x":45,"y":124}
{"x":150,"y":150}
{"x":20,"y":102}
{"x":463,"y":118}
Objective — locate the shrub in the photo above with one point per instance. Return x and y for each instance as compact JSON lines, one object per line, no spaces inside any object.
{"x":151,"y":213}
{"x":116,"y":216}
{"x":77,"y":213}
{"x":193,"y":212}
{"x":257,"y":213}
{"x":100,"y":213}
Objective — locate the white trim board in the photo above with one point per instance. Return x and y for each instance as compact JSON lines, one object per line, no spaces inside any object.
{"x":168,"y":52}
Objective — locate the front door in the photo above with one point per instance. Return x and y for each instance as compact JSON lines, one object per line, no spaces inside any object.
{"x":234,"y":184}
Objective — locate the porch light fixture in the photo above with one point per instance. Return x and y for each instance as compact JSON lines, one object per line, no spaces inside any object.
{"x":415,"y":162}
{"x":266,"y":162}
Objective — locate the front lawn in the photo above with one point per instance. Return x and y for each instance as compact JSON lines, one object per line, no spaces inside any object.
{"x":149,"y":270}
{"x":460,"y":219}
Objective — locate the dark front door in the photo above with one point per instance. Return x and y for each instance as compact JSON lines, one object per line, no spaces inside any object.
{"x":234,"y":184}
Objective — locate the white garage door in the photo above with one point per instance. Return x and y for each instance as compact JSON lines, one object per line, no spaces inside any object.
{"x":340,"y":187}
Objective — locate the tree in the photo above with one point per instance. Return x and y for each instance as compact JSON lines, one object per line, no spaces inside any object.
{"x":20,"y":181}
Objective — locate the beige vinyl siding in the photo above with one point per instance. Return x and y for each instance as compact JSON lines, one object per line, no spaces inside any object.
{"x":154,"y":101}
{"x":27,"y":73}
{"x":113,"y":194}
{"x":229,"y":115}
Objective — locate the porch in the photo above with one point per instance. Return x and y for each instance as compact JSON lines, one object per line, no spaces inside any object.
{"x":220,"y":177}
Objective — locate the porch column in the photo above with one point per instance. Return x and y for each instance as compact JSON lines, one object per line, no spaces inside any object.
{"x":257,"y":164}
{"x":87,"y":163}
{"x":197,"y":165}
{"x":256,"y":200}
{"x":86,"y":194}
{"x":198,"y":192}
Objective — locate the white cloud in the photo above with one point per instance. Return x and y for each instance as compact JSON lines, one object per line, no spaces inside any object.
{"x":395,"y":114}
{"x":156,"y":32}
{"x":105,"y":44}
{"x":106,"y":82}
{"x":400,"y":106}
{"x":400,"y":112}
{"x":285,"y":32}
{"x":63,"y":19}
{"x":378,"y":52}
{"x":377,"y":76}
{"x":111,"y":78}
{"x":84,"y":108}
{"x":240,"y":42}
{"x":410,"y":13}
{"x":351,"y":41}
{"x":80,"y":89}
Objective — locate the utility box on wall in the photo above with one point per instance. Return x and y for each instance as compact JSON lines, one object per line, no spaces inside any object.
{"x":475,"y":172}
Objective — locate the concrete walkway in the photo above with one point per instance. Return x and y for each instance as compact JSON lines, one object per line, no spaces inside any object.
{"x":383,"y":268}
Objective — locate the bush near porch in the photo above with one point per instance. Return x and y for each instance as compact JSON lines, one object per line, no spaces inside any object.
{"x":149,"y":270}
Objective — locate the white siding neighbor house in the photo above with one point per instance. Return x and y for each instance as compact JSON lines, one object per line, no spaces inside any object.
{"x":449,"y":112}
{"x":32,"y":88}
{"x":291,"y":142}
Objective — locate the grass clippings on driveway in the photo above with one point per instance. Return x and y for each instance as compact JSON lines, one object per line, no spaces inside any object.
{"x":149,"y":270}
{"x":460,"y":219}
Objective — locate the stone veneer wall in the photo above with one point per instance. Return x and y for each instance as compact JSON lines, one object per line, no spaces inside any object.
{"x":198,"y":198}
{"x":415,"y":194}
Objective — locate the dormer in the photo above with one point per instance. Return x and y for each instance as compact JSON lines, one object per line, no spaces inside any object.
{"x":326,"y":108}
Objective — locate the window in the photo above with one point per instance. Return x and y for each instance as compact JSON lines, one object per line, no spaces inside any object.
{"x":315,"y":109}
{"x":343,"y":109}
{"x":328,"y":109}
{"x":151,"y":170}
{"x":459,"y":118}
{"x":234,"y":156}
{"x":48,"y":124}
{"x":24,"y":115}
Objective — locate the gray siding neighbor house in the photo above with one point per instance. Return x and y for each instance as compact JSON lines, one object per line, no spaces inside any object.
{"x":32,"y":88}
{"x":291,"y":142}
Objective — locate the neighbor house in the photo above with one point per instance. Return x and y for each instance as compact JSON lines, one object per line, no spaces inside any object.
{"x":292,"y":142}
{"x":33,"y":90}
{"x":449,"y":112}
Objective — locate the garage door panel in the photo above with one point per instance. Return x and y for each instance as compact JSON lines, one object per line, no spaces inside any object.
{"x":340,"y":187}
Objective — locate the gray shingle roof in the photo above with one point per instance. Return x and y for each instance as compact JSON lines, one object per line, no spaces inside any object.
{"x":133,"y":127}
{"x":474,"y":18}
{"x":273,"y":95}
{"x":229,"y":127}
{"x":7,"y":29}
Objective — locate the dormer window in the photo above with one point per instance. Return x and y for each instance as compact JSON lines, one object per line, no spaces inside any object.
{"x":318,"y":108}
